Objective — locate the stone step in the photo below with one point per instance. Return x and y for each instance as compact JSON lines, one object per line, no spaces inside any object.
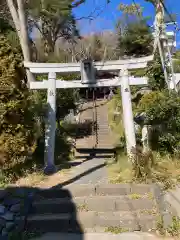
{"x":104,"y":128}
{"x":107,"y":146}
{"x":104,"y":139}
{"x":104,"y":136}
{"x":79,"y":222}
{"x":104,"y":144}
{"x":96,"y":203}
{"x":86,"y":190}
{"x":104,"y":133}
{"x":102,"y":125}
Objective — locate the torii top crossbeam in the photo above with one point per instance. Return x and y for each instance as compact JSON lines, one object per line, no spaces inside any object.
{"x":117,"y":65}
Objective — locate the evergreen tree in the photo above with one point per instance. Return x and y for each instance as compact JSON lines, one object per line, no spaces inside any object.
{"x":53,"y":19}
{"x":17,"y":125}
{"x":135,"y":37}
{"x":135,"y":40}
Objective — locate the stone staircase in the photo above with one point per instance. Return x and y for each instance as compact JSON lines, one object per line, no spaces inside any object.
{"x":105,"y":138}
{"x":101,"y":141}
{"x":93,"y":208}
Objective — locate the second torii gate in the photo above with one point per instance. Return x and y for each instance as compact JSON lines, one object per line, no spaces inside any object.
{"x":87,"y":81}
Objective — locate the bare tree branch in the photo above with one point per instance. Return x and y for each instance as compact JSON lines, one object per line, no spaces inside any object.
{"x":78,"y":3}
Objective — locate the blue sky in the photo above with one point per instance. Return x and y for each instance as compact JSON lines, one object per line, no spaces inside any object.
{"x":109,"y":14}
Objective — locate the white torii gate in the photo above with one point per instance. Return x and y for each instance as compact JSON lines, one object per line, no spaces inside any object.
{"x":121,"y":66}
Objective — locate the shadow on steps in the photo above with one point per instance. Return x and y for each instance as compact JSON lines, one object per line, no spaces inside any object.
{"x":33,"y":219}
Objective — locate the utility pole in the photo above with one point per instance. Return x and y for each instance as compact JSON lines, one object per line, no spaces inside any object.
{"x":161,"y":39}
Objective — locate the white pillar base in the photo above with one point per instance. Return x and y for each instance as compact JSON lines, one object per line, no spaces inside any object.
{"x":50,"y":169}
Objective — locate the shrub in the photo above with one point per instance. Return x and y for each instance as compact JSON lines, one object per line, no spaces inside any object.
{"x":18,"y":130}
{"x":163,"y":113}
{"x":116,"y":120}
{"x":155,"y":74}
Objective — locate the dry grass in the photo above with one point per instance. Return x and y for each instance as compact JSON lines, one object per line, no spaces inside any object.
{"x":32,"y":179}
{"x":135,"y":196}
{"x":116,"y":230}
{"x":82,"y":207}
{"x":121,"y":171}
{"x":149,"y":211}
{"x":56,"y":179}
{"x":38,"y":179}
{"x":165,"y":171}
{"x":115,"y":122}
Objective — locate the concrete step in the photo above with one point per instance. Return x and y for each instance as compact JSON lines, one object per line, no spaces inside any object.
{"x":79,"y":222}
{"x":101,"y":236}
{"x":93,"y":190}
{"x":96,"y":203}
{"x":96,"y":150}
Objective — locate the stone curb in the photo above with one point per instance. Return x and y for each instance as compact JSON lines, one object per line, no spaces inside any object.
{"x":166,"y":210}
{"x":14,"y":206}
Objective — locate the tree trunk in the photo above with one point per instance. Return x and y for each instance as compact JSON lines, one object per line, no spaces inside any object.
{"x":15,"y":18}
{"x":24,"y":33}
{"x":19,"y":20}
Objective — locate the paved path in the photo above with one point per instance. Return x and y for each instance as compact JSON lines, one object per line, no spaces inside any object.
{"x":90,"y":171}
